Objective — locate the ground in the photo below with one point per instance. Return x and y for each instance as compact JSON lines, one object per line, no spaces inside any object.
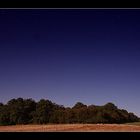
{"x":134,"y":127}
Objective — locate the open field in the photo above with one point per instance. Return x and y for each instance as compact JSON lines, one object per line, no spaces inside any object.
{"x":134,"y":123}
{"x":72,"y":128}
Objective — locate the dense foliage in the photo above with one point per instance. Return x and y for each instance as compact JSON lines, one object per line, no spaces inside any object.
{"x":27,"y":111}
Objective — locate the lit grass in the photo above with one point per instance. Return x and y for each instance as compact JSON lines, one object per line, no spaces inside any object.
{"x":133,"y":123}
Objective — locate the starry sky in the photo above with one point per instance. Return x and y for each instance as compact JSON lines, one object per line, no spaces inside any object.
{"x":71,"y":55}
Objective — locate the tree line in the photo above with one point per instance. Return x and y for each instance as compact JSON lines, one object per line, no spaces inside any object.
{"x":28,"y":111}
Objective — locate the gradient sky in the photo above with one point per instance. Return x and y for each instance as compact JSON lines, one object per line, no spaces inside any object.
{"x":66,"y":56}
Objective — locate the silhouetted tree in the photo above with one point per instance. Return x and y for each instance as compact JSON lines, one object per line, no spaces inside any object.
{"x":43,"y":111}
{"x":79,"y":105}
{"x":4,"y":115}
{"x":25,"y":111}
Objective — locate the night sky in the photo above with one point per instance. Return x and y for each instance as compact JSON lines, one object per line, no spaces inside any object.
{"x":66,"y":56}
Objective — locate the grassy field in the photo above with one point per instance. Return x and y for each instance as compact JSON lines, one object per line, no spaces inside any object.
{"x":133,"y":127}
{"x":134,"y":123}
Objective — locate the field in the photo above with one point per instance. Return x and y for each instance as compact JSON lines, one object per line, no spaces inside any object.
{"x":131,"y":127}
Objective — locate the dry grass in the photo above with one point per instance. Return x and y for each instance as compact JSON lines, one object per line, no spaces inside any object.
{"x":72,"y":128}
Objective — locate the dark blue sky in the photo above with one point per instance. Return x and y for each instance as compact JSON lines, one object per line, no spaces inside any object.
{"x":92,"y":56}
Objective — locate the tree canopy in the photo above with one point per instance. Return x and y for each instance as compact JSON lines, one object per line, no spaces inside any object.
{"x":27,"y":111}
